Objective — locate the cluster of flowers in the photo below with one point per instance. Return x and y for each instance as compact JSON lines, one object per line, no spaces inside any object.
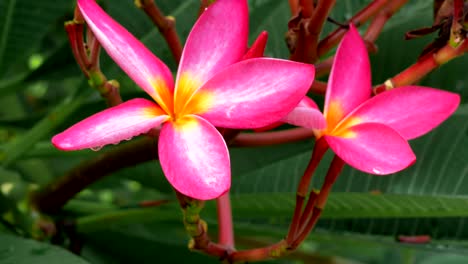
{"x":220,"y":83}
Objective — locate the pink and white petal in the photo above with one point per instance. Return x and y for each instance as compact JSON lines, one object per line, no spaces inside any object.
{"x":129,"y":53}
{"x":305,"y":117}
{"x":111,"y":126}
{"x":373,"y":148}
{"x":349,"y":84}
{"x":218,"y":39}
{"x":255,"y":93}
{"x":195,"y":158}
{"x":305,"y":114}
{"x":411,"y":110}
{"x":258,"y":47}
{"x":309,"y":103}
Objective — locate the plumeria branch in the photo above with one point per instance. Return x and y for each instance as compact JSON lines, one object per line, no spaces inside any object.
{"x":165,"y":24}
{"x":319,"y":150}
{"x":272,"y":138}
{"x":305,"y":28}
{"x":294,"y":6}
{"x":360,"y":18}
{"x":86,"y":54}
{"x":423,"y":66}
{"x":225,"y":225}
{"x":318,"y":200}
{"x":58,"y":193}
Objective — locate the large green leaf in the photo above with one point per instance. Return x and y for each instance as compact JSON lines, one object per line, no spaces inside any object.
{"x":23,"y":25}
{"x":24,"y":251}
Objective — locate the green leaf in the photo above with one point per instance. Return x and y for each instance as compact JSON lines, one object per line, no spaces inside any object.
{"x":24,"y":251}
{"x":23,"y":25}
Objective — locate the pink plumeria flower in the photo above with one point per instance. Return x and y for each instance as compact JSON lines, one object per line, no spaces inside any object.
{"x":371,"y":134}
{"x":213,"y":87}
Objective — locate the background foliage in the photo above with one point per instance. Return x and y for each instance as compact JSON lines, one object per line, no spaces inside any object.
{"x":42,"y":91}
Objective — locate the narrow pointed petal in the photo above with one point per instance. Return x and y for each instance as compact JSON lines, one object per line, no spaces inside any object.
{"x":218,"y":39}
{"x":411,"y":110}
{"x":373,"y":148}
{"x":349,"y":84}
{"x":194,"y":158}
{"x":111,"y":126}
{"x":129,"y":53}
{"x":253,"y":93}
{"x":306,"y":114}
{"x":258,"y":47}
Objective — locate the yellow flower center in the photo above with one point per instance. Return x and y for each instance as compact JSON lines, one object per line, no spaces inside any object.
{"x":336,"y":126}
{"x":185,"y":101}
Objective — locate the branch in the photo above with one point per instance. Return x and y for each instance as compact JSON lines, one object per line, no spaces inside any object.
{"x":306,"y":28}
{"x":58,"y":193}
{"x":165,"y":25}
{"x":272,"y":138}
{"x":423,"y":66}
{"x":360,"y":18}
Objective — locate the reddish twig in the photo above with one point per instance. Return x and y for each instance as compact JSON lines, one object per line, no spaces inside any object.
{"x":319,"y":201}
{"x":165,"y":24}
{"x":58,"y":193}
{"x":225,"y":226}
{"x":307,"y":27}
{"x":361,"y":17}
{"x":272,"y":138}
{"x":423,"y":66}
{"x":318,"y":87}
{"x":294,"y":6}
{"x":320,"y":148}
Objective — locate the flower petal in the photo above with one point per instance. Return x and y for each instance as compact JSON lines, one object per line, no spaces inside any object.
{"x":258,"y":47}
{"x":254,"y":93}
{"x":129,"y":53}
{"x":306,"y":114}
{"x":411,"y":110}
{"x":218,"y":39}
{"x":349,"y":84}
{"x":111,"y":126}
{"x":194,"y":158}
{"x":373,"y":148}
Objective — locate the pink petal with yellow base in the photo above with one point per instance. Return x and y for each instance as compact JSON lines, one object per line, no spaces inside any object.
{"x":194,"y":158}
{"x":349,"y":84}
{"x":373,"y":148}
{"x":411,"y":110}
{"x":111,"y":126}
{"x":255,"y":93}
{"x":218,"y":39}
{"x":128,"y":52}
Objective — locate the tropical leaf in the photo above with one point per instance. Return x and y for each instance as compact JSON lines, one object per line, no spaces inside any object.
{"x":19,"y":250}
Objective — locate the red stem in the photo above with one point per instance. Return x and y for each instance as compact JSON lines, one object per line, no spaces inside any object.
{"x":423,"y":66}
{"x":333,"y":172}
{"x":165,"y":24}
{"x":320,"y":148}
{"x":294,"y":6}
{"x":318,"y":87}
{"x":258,"y":254}
{"x":74,"y":32}
{"x":226,"y":229}
{"x":362,"y":16}
{"x":272,"y":138}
